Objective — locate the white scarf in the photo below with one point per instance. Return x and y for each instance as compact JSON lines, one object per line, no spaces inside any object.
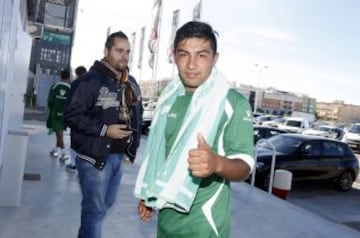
{"x":167,"y":182}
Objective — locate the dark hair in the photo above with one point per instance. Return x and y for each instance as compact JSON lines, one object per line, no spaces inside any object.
{"x":110,"y":39}
{"x":196,"y":29}
{"x":80,"y":71}
{"x":65,"y":74}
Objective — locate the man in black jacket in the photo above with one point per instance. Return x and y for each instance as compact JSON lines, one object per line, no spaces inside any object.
{"x":104,"y":112}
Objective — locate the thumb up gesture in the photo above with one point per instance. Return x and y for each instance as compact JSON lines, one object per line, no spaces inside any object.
{"x":202,"y":161}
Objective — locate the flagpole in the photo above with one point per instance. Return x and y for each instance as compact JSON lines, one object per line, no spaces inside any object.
{"x":174,"y":25}
{"x":140,"y":74}
{"x":141,"y":52}
{"x":131,"y":57}
{"x":156,"y":53}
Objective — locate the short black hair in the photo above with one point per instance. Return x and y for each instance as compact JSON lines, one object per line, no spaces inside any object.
{"x":110,"y":39}
{"x":65,"y":74}
{"x":80,"y":70}
{"x":196,"y":29}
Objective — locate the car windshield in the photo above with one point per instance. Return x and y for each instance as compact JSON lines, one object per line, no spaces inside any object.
{"x":263,"y":118}
{"x":293,"y":123}
{"x":324,"y":128}
{"x":283,"y":144}
{"x":280,"y":120}
{"x":355,"y":129}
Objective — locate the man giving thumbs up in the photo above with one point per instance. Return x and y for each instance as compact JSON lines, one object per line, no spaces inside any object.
{"x":201,"y":138}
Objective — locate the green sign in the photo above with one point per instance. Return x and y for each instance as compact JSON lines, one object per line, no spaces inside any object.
{"x":56,"y":38}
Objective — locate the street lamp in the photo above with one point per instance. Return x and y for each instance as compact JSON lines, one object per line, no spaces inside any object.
{"x":257,"y":96}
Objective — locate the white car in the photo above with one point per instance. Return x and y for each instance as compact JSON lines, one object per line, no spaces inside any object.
{"x":263,"y":118}
{"x":295,"y":125}
{"x":275,"y":122}
{"x":324,"y":131}
{"x":352,"y":136}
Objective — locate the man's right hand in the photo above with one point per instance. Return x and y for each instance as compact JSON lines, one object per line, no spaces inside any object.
{"x":118,"y":131}
{"x":145,"y":213}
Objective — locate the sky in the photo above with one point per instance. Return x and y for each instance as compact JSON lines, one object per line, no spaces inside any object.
{"x":308,"y":47}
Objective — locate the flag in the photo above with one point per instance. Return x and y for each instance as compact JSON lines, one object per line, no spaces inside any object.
{"x":131,"y":57}
{"x":197,"y":12}
{"x":153,"y":43}
{"x":141,"y":47}
{"x":174,"y":26}
{"x":108,"y":31}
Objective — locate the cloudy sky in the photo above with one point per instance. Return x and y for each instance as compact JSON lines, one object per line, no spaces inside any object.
{"x":302,"y":46}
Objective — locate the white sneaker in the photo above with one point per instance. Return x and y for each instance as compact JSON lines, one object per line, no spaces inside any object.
{"x":55,"y":152}
{"x":64,"y":157}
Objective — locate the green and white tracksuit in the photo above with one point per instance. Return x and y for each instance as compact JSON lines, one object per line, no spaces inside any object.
{"x":209,"y":215}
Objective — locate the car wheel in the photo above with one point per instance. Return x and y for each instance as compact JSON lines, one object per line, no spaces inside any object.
{"x":345,"y":180}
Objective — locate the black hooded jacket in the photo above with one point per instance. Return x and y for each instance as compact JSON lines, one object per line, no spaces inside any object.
{"x":93,"y":104}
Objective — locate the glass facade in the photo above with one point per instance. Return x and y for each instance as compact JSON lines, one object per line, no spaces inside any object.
{"x":52,"y":51}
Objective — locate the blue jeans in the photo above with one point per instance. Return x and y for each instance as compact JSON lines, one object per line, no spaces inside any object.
{"x":99,"y":189}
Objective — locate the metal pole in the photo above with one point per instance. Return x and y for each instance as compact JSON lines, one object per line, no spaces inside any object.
{"x":154,"y":70}
{"x":272,"y":168}
{"x":257,"y":96}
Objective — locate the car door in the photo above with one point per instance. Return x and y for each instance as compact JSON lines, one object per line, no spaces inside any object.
{"x":305,"y":162}
{"x":331,"y":161}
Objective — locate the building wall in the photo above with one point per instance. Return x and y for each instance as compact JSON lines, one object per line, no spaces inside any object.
{"x":51,"y":50}
{"x":15,"y":46}
{"x":338,"y":112}
{"x":6,"y":11}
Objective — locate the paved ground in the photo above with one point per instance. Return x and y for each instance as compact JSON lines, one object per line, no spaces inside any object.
{"x":324,"y":200}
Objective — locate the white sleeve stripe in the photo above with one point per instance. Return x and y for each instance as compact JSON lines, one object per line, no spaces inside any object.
{"x":229,"y":111}
{"x":249,"y":160}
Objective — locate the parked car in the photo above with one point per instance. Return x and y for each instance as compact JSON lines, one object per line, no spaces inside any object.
{"x":295,"y":124}
{"x":265,"y":132}
{"x":325,"y":131}
{"x":261,"y":119}
{"x":275,"y":122}
{"x":308,"y":158}
{"x":145,"y":126}
{"x":352,"y":136}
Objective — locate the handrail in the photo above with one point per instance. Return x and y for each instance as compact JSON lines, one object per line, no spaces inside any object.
{"x":272,"y":168}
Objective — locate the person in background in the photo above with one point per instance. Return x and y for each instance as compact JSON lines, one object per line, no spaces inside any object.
{"x":56,"y":101}
{"x":104,"y":113}
{"x":79,"y":71}
{"x":201,"y":138}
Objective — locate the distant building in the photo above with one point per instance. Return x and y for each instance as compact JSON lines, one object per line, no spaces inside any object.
{"x":338,"y":112}
{"x":308,"y":105}
{"x":277,"y":102}
{"x":152,"y":90}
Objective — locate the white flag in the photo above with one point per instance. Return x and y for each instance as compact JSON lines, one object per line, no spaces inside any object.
{"x":155,"y":31}
{"x":131,"y":57}
{"x":197,"y":11}
{"x":108,"y":31}
{"x":141,"y":47}
{"x":174,"y":26}
{"x":153,"y":43}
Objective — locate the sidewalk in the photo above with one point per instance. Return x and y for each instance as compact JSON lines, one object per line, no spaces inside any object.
{"x":50,"y":207}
